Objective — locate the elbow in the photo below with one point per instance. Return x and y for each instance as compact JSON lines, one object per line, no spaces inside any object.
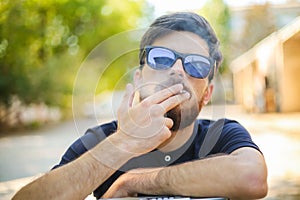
{"x":253,"y":184}
{"x":256,"y":188}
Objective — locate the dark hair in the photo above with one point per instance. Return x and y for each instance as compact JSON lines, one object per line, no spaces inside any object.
{"x":183,"y":21}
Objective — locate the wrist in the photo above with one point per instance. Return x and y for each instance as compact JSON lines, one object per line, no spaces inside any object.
{"x":129,"y":182}
{"x":112,"y":152}
{"x":144,"y":181}
{"x":123,"y":143}
{"x":162,"y":179}
{"x":131,"y":144}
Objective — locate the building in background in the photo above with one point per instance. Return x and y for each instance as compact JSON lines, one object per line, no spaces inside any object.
{"x":266,"y":78}
{"x":252,"y":23}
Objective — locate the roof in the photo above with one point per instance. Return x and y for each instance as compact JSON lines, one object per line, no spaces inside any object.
{"x":266,"y":45}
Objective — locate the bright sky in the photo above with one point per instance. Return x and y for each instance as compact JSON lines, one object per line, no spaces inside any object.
{"x":163,"y":6}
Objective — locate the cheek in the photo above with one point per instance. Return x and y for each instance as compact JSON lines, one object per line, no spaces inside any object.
{"x":146,"y":90}
{"x":155,"y":76}
{"x":199,"y":93}
{"x":199,"y":87}
{"x":150,"y":79}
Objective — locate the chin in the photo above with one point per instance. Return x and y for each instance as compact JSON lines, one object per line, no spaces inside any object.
{"x":184,"y":114}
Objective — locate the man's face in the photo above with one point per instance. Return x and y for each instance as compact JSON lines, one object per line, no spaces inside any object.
{"x":151,"y":80}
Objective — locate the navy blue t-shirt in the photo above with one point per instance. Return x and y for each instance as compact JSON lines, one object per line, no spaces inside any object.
{"x":208,"y":138}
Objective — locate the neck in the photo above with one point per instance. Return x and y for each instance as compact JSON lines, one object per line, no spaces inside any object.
{"x":177,"y":139}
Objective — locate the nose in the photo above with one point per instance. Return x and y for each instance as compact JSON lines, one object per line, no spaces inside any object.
{"x":177,"y":69}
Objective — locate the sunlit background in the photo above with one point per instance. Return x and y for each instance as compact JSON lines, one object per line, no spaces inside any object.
{"x":64,"y":64}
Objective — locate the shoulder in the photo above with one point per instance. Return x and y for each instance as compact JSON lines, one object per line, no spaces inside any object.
{"x":91,"y":138}
{"x":223,"y":136}
{"x":98,"y":133}
{"x":106,"y":129}
{"x":224,"y":125}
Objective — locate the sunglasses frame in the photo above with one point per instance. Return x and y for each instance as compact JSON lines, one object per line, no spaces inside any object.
{"x":178,"y":55}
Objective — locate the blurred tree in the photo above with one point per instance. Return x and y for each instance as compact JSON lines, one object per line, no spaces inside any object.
{"x":43,"y":42}
{"x":259,"y":22}
{"x":218,"y":15}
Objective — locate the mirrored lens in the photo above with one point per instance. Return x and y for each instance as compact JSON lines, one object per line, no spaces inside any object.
{"x":197,"y":66}
{"x":159,"y":58}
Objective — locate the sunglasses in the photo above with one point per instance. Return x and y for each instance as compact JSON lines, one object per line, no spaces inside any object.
{"x":161,"y":58}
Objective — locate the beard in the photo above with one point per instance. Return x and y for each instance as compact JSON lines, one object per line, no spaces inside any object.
{"x":183,"y":114}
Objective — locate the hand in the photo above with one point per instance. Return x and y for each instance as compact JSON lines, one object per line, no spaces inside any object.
{"x":143,"y":126}
{"x":119,"y":189}
{"x":132,"y":183}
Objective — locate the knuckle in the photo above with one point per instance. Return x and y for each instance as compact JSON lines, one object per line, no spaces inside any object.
{"x":145,"y":103}
{"x":156,"y":110}
{"x":170,"y":92}
{"x":174,"y":100}
{"x":167,"y":92}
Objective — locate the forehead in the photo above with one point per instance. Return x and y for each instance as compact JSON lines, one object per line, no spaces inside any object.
{"x":183,"y":42}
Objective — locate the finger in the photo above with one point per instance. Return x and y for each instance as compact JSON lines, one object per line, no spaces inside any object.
{"x":156,"y":110}
{"x":169,"y":122}
{"x":128,"y":97}
{"x":174,"y":101}
{"x":163,"y":94}
{"x":166,"y":133}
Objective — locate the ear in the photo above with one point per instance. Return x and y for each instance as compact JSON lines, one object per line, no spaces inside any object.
{"x":138,"y":80}
{"x":208,"y":93}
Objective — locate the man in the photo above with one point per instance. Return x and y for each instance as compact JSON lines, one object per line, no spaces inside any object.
{"x":158,"y":146}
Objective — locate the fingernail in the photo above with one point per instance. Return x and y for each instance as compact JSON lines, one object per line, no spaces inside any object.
{"x":180,"y":85}
{"x":186,"y":94}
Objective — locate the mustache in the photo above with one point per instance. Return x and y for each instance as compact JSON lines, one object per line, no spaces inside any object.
{"x":172,"y":81}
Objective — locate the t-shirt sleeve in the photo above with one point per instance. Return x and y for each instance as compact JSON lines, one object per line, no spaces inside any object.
{"x":73,"y":152}
{"x":233,"y":136}
{"x":91,"y":138}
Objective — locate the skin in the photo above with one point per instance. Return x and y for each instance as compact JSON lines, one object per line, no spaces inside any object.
{"x":143,"y":127}
{"x":199,"y":89}
{"x":133,"y":138}
{"x":249,"y":180}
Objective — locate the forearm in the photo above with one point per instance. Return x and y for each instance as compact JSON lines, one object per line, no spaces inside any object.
{"x":234,"y":176}
{"x":79,"y":178}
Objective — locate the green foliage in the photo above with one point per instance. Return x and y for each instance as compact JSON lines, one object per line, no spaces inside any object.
{"x":218,"y":15}
{"x":42,"y":44}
